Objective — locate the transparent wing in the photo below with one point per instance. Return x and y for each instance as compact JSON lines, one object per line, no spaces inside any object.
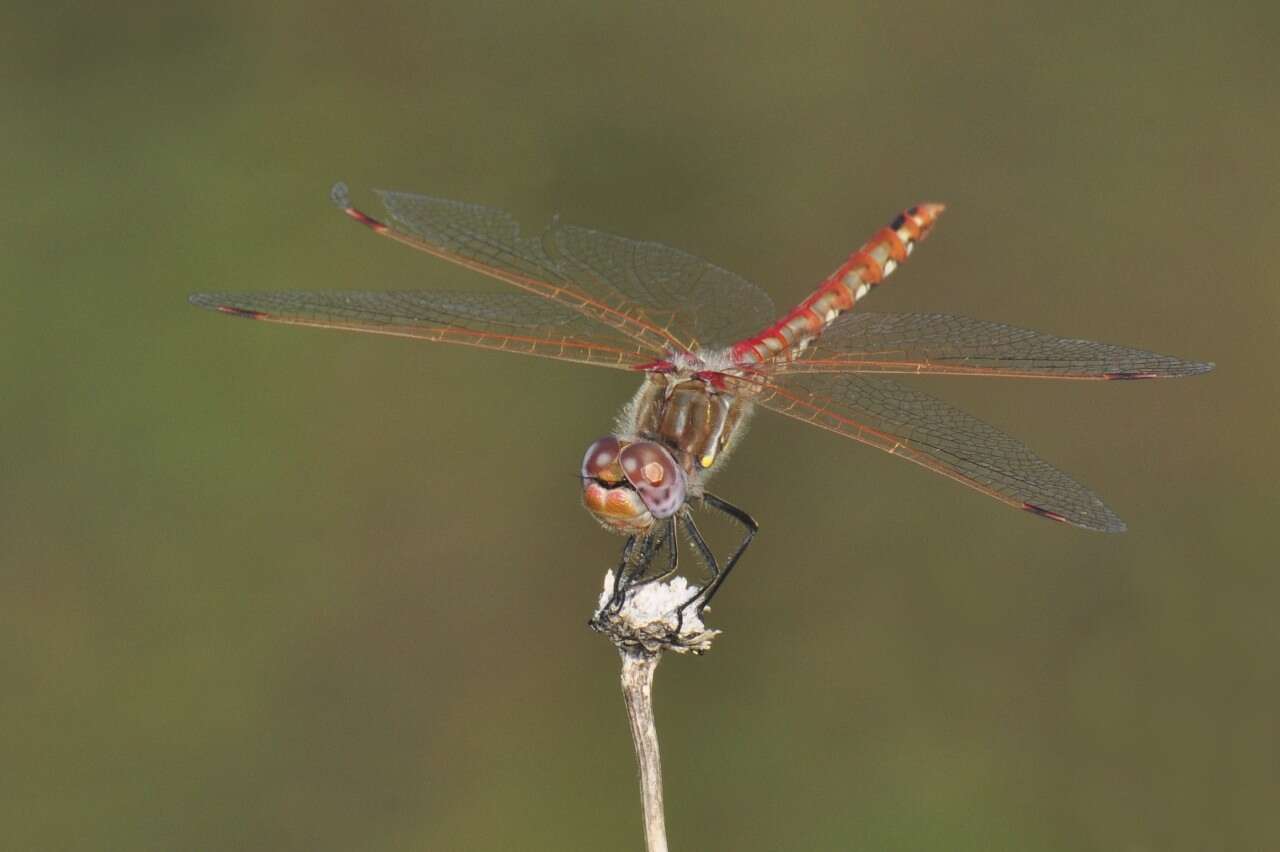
{"x":944,"y":344}
{"x":699,"y":301}
{"x":902,"y":421}
{"x":510,"y":322}
{"x":662,"y":297}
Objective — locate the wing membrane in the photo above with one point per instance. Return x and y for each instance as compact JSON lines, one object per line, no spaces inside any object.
{"x":945,"y":344}
{"x":699,"y":301}
{"x":904,"y":422}
{"x":510,"y":322}
{"x":662,"y":297}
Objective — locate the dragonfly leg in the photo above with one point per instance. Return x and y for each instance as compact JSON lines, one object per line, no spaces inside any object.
{"x":673,"y":556}
{"x":633,"y":565}
{"x":748,"y":523}
{"x":619,"y":576}
{"x":708,"y":557}
{"x":718,"y":575}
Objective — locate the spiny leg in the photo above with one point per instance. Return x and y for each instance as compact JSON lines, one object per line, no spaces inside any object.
{"x":619,"y":586}
{"x":695,"y":536}
{"x":673,"y":556}
{"x":639,"y":563}
{"x":704,"y":595}
{"x":650,"y":543}
{"x":748,"y":523}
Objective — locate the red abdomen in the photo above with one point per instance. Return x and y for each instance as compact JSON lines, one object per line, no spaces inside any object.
{"x":853,"y":279}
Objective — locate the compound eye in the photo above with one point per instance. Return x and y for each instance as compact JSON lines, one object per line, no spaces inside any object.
{"x":601,"y":460}
{"x":655,"y":476}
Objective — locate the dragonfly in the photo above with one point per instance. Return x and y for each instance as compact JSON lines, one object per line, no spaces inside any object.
{"x":709,"y":349}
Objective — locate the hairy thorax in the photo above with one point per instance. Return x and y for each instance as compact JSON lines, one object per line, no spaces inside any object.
{"x":689,"y":415}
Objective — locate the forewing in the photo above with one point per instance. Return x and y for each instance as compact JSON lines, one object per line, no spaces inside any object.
{"x":510,"y":322}
{"x":904,"y":422}
{"x":945,"y":344}
{"x":699,"y":301}
{"x":661,"y":296}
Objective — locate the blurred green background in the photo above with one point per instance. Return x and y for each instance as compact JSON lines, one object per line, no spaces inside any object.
{"x":267,"y":588}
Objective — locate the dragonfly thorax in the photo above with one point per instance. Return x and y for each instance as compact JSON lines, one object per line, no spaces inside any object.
{"x":676,"y":427}
{"x":688,"y":415}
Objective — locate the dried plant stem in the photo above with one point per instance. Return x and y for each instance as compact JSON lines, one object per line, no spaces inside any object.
{"x":638,"y":666}
{"x":642,"y":625}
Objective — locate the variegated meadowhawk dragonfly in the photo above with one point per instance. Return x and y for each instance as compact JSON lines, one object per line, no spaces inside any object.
{"x":709,"y":349}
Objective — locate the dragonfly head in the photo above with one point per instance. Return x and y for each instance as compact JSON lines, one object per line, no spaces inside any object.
{"x":627,"y":486}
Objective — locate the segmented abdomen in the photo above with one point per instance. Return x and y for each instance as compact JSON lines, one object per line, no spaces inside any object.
{"x":853,"y":279}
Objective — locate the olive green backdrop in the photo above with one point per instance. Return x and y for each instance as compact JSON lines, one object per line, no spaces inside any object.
{"x":268,"y":588}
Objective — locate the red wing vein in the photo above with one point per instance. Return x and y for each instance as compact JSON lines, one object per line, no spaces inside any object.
{"x":938,"y":436}
{"x":664,"y":298}
{"x":945,"y":344}
{"x":512,"y":322}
